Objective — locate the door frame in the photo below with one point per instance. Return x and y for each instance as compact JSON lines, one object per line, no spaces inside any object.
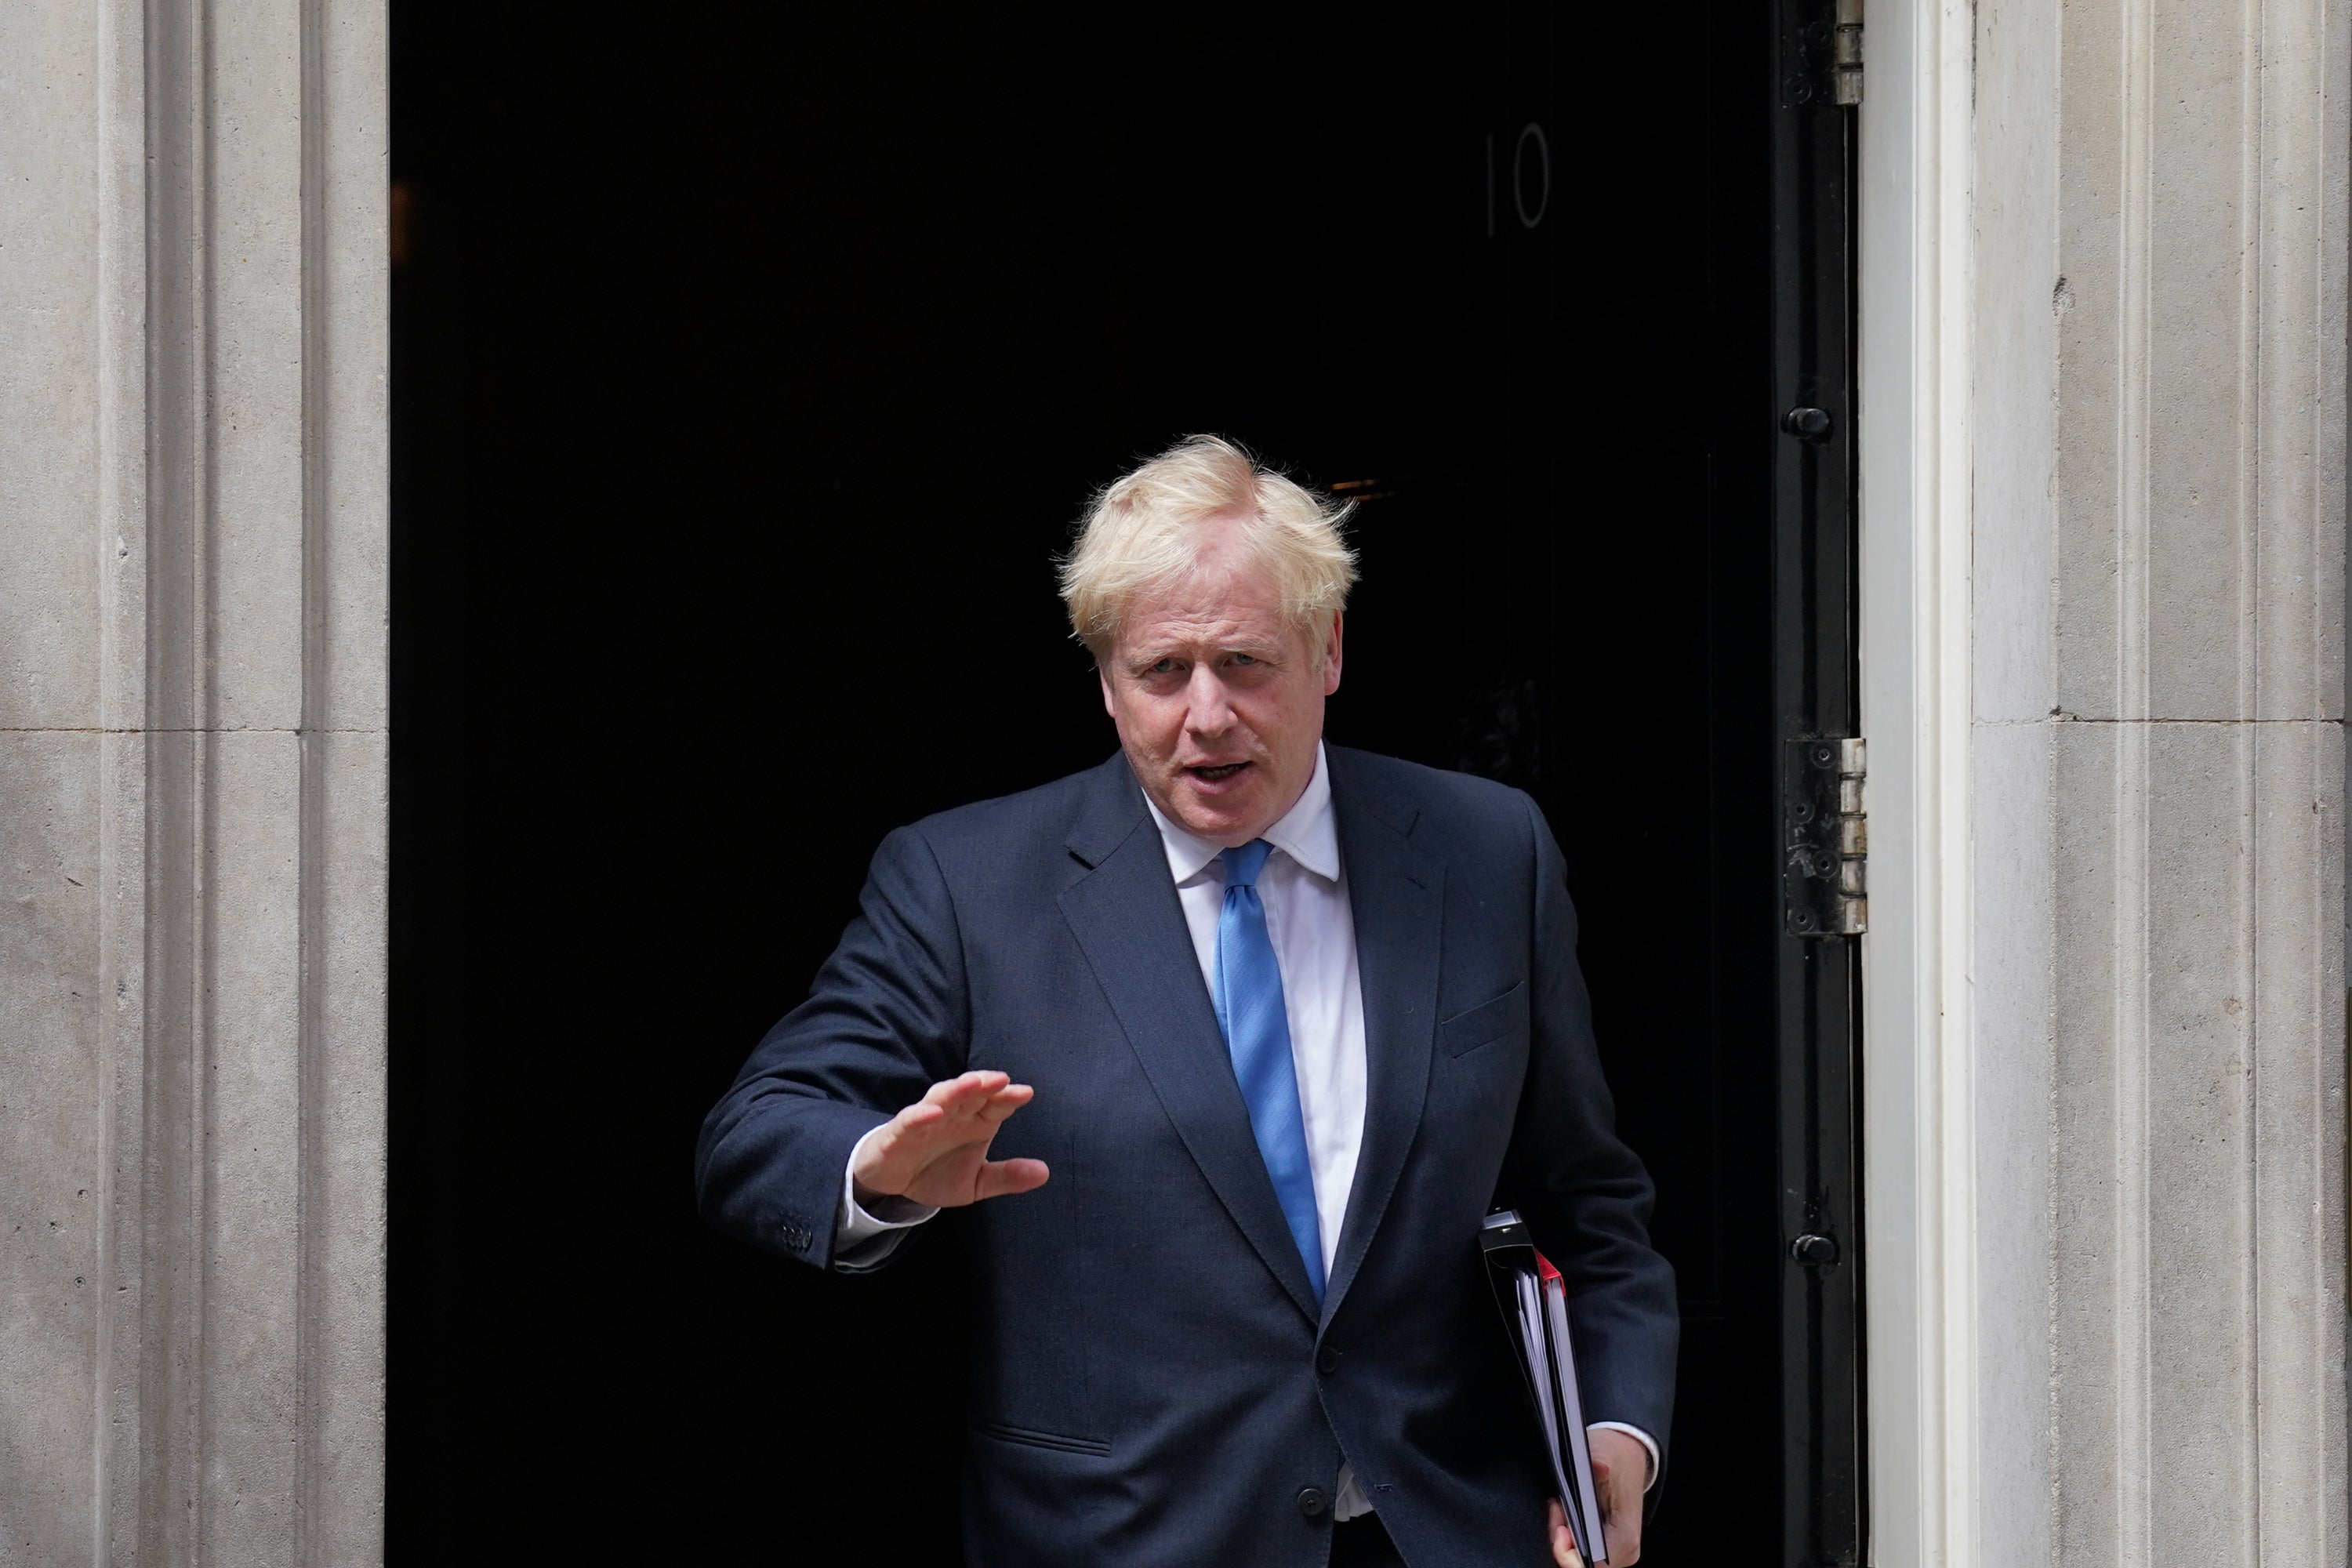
{"x":1814,"y":701}
{"x":1914,"y":370}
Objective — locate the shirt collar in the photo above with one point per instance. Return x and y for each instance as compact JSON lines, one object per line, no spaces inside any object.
{"x":1305,"y":832}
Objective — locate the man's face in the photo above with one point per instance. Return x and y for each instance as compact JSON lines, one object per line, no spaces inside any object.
{"x":1219,"y":703}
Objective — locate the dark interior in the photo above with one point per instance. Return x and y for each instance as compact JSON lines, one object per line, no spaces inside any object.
{"x":750,"y":363}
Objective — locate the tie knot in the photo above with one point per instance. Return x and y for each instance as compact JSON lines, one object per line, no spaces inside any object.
{"x":1245,"y":862}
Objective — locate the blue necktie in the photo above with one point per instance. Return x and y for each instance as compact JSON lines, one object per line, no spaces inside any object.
{"x":1258,"y":1033}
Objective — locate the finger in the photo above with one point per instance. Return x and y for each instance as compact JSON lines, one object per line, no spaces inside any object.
{"x":1005,"y":1102}
{"x":960,"y":1092}
{"x":948,"y":1109}
{"x":913,"y":1138}
{"x":922,"y":1134}
{"x":985,"y":1107}
{"x":1563,"y":1541}
{"x":1000,"y":1178}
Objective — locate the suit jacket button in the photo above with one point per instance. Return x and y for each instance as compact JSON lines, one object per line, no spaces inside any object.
{"x":1327,"y":1361}
{"x":1311,"y":1503}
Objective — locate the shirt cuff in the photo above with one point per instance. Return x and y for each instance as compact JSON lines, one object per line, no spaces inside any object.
{"x":862,"y":1239}
{"x":1638,"y":1436}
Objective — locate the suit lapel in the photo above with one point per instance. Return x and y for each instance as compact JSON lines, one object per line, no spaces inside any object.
{"x":1128,"y":922}
{"x":1397,"y":895}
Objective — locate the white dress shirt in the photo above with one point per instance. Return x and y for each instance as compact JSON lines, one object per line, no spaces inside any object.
{"x":1313,"y":928}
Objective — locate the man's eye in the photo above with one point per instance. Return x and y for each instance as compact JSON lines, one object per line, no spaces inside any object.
{"x":1165,"y":666}
{"x":1244,"y":659}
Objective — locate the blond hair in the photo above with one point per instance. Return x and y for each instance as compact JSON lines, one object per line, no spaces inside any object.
{"x":1143,"y":531}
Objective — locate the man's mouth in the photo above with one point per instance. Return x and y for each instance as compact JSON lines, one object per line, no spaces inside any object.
{"x":1217,"y":772}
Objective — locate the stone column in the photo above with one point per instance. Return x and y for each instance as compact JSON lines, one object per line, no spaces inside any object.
{"x":2157,"y":783}
{"x":193,"y":746}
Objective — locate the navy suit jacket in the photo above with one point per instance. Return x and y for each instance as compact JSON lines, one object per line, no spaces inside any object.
{"x":1151,"y":1382}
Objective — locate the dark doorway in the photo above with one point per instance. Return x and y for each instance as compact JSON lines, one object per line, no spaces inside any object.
{"x":750,"y":363}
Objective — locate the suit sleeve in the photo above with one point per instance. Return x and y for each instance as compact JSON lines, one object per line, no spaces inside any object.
{"x":887,"y":1017}
{"x":1585,"y":1195}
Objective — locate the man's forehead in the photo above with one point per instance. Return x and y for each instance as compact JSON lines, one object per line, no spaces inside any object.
{"x":1206,"y":620}
{"x":1207,"y":625}
{"x":1213,"y":594}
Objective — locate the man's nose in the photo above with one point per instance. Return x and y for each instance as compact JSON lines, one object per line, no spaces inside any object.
{"x":1206,"y":712}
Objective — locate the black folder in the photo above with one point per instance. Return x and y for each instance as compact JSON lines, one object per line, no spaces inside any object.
{"x":1533,"y":1300}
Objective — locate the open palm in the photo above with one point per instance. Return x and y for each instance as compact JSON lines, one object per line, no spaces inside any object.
{"x":935,"y":1151}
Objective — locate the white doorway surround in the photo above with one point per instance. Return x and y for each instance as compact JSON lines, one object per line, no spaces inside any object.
{"x":2102,"y":287}
{"x":1918,"y":1143}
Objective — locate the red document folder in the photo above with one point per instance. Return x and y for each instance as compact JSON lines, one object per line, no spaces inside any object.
{"x":1533,"y":1300}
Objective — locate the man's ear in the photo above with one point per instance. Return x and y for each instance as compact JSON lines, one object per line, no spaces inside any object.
{"x":1331,"y":654}
{"x":1103,"y":676}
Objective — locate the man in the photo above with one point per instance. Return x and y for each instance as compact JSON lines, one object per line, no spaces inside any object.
{"x":1227,"y":1045}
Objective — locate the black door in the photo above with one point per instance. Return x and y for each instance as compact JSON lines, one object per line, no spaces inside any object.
{"x":750,"y":364}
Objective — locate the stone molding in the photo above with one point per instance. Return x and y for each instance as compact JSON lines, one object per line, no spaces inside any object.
{"x":2186,"y":713}
{"x":2108,"y":1210}
{"x":192,"y":628}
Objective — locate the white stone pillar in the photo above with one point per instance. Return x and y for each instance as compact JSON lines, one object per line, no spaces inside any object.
{"x":2104,"y":347}
{"x":193,"y":784}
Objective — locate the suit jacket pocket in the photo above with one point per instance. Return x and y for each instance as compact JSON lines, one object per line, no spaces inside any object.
{"x":1059,"y":1442}
{"x":1487,"y":1022}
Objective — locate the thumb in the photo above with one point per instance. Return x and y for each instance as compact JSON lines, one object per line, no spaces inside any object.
{"x":1002,"y":1178}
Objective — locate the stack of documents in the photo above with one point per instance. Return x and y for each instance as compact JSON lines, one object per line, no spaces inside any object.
{"x":1534,"y":1302}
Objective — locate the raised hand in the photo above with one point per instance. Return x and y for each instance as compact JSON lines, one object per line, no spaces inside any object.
{"x":935,"y":1151}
